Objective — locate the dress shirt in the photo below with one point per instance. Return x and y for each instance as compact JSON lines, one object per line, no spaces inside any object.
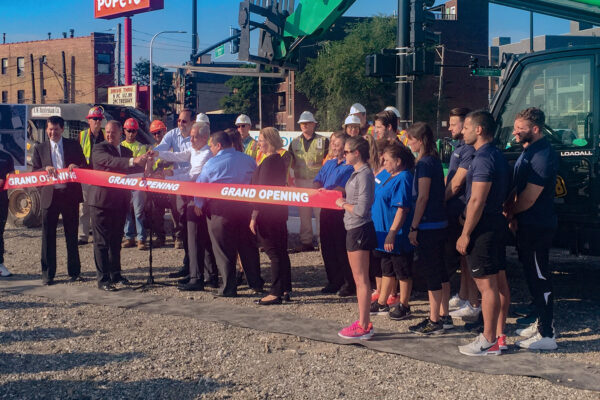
{"x":174,"y":141}
{"x":228,"y":166}
{"x":197,"y":159}
{"x":58,"y":159}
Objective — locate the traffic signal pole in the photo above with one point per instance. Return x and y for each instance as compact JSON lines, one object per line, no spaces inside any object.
{"x":403,"y":81}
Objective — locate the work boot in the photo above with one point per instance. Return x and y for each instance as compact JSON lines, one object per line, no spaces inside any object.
{"x":141,"y":245}
{"x":128,"y":243}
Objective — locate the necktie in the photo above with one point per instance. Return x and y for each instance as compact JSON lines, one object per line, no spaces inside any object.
{"x":58,"y":157}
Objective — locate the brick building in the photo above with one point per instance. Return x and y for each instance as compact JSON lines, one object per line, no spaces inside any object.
{"x":34,"y":72}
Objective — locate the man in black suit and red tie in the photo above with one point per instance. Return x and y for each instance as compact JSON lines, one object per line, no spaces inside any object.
{"x":109,"y":206}
{"x":60,"y":199}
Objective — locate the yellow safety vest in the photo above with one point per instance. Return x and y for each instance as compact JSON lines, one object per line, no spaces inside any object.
{"x":86,"y":143}
{"x":307,"y":164}
{"x":260,"y":157}
{"x":136,"y":147}
{"x":251,"y":148}
{"x":402,"y":137}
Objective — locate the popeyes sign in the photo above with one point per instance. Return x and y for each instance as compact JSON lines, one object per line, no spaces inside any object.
{"x":109,"y":9}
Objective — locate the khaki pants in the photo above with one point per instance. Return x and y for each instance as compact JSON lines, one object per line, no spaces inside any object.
{"x":306,"y":213}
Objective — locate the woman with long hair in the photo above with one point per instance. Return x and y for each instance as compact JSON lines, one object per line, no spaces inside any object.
{"x":360,"y":231}
{"x":428,"y":228}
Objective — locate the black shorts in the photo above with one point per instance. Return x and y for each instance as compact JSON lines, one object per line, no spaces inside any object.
{"x":486,"y":253}
{"x":396,"y":265}
{"x":430,"y":257}
{"x":361,"y":238}
{"x":374,"y":265}
{"x":451,"y":255}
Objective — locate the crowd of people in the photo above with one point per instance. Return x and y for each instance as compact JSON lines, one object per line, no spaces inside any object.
{"x":398,"y":214}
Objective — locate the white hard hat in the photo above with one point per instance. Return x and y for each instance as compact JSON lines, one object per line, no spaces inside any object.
{"x":394,"y":110}
{"x":307,"y":116}
{"x":352,"y":120}
{"x":202,"y":118}
{"x":357,"y":108}
{"x":243,"y":119}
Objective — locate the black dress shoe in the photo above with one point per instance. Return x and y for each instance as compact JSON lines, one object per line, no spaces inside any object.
{"x":287,"y":298}
{"x":48,"y":283}
{"x":330,"y":288}
{"x":346,"y":291}
{"x":261,"y":302}
{"x":76,"y":278}
{"x":184,"y":280}
{"x":191,"y":287}
{"x":213,"y":283}
{"x":107,"y":287}
{"x":183,"y":272}
{"x":120,"y":280}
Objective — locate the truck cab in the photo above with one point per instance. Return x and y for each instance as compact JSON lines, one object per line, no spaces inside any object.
{"x":562,"y":83}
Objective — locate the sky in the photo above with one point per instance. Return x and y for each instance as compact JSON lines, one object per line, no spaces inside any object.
{"x":24,"y":20}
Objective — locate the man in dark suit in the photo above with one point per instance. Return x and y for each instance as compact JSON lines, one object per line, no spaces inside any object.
{"x":109,"y":205}
{"x":60,"y":199}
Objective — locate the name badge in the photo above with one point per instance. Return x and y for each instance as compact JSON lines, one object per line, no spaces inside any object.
{"x":320,"y":143}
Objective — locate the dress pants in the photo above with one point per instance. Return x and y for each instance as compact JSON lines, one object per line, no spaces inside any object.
{"x":84,"y":215}
{"x":228,"y":226}
{"x":273,"y":237}
{"x":3,"y":218}
{"x":180,"y":219}
{"x":333,"y":249}
{"x":306,"y":214}
{"x":107,"y":228}
{"x":201,"y":256}
{"x":62,"y":204}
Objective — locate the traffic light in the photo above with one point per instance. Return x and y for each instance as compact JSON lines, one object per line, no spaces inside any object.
{"x":189,"y":92}
{"x":421,"y":21}
{"x":473,"y":65}
{"x":384,"y":65}
{"x":234,"y":47}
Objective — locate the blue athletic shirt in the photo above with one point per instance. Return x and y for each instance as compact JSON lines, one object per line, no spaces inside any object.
{"x":489,"y":165}
{"x":332,"y":174}
{"x":461,"y":158}
{"x":391,"y":193}
{"x":538,"y":164}
{"x":434,"y":216}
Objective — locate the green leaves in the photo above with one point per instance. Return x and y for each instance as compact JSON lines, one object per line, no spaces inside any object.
{"x":164,"y":96}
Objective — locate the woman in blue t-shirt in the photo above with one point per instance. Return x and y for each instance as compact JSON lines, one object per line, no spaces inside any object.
{"x":392,"y":215}
{"x":428,"y":228}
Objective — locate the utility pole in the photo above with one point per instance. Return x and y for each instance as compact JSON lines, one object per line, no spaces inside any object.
{"x":194,"y":28}
{"x":64,"y":76}
{"x":118,"y":56}
{"x":403,"y":81}
{"x":42,"y":99}
{"x":32,"y":79}
{"x":440,"y":89}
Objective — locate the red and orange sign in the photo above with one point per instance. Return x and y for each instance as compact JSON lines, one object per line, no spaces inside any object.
{"x":109,"y":9}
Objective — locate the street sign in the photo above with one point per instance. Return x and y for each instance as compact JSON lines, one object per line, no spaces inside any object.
{"x":123,"y":95}
{"x":219,"y":51}
{"x":486,"y":72}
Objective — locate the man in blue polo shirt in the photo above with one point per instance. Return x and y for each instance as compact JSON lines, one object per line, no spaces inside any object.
{"x":481,"y":240}
{"x":530,"y":211}
{"x":333,"y":176}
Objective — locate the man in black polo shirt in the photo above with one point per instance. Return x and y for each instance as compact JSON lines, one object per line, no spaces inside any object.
{"x":482,"y":240}
{"x":530,"y":211}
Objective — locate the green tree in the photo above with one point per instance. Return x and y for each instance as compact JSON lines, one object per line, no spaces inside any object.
{"x":164,"y":96}
{"x":336,"y":79}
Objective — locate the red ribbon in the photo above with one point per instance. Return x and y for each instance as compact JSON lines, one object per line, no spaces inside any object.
{"x":279,"y":195}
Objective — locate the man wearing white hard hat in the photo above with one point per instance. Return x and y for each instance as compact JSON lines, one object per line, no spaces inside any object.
{"x":309,"y":149}
{"x":243,"y":125}
{"x":352,"y":125}
{"x":360,"y":111}
{"x":201,"y":117}
{"x":401,"y":132}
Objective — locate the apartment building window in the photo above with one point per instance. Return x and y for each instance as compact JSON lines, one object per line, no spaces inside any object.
{"x":20,"y":66}
{"x":103,"y":61}
{"x":4,"y":66}
{"x":20,"y":96}
{"x":4,"y":96}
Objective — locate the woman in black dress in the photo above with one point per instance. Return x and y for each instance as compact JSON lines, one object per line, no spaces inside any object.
{"x":269,"y":221}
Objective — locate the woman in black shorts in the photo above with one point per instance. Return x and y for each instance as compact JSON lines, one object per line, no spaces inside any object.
{"x":360,"y":232}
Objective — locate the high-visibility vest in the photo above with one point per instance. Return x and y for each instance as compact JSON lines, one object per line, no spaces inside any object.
{"x":328,"y":157}
{"x":308,"y":163}
{"x":86,"y":143}
{"x":260,"y":157}
{"x":402,"y":137}
{"x":136,"y":147}
{"x":251,"y":147}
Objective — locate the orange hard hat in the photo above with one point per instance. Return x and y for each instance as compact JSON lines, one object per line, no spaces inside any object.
{"x":131,"y":124}
{"x":157,"y":125}
{"x":96,"y":112}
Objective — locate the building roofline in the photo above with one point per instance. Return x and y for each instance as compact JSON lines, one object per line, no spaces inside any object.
{"x":90,"y":36}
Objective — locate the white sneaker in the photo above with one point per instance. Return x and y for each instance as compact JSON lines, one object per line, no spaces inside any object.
{"x":480,"y":347}
{"x":528,"y":332}
{"x":537,"y":342}
{"x":466,"y":311}
{"x":457,"y":302}
{"x":4,"y":272}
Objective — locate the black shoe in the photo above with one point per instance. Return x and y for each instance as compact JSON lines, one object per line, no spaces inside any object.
{"x":107,"y":287}
{"x":428,"y":327}
{"x":191,"y":287}
{"x":258,"y":290}
{"x":212,"y":282}
{"x":120,"y":280}
{"x":399,"y":312}
{"x":477,"y":326}
{"x":330,"y":288}
{"x":179,"y":274}
{"x":346,"y":291}
{"x":76,"y":278}
{"x":261,"y":302}
{"x":447,"y":322}
{"x":81,"y":242}
{"x":287,"y":298}
{"x":48,"y":283}
{"x":379,"y":309}
{"x":184,"y":280}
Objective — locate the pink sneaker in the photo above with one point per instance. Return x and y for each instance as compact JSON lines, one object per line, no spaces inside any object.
{"x":355,"y":331}
{"x":393,"y":300}
{"x":374,"y":296}
{"x":502,"y":342}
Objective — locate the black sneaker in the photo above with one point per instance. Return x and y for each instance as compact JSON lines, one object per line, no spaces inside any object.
{"x":475,"y":327}
{"x":399,"y":312}
{"x":428,"y":327}
{"x":379,"y":309}
{"x":447,"y":322}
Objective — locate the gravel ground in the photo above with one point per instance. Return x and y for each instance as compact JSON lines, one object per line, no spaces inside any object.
{"x":57,"y":349}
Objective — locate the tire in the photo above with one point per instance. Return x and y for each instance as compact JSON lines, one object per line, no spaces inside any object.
{"x":24,"y":208}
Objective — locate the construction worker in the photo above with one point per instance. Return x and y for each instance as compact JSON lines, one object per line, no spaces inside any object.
{"x":360,"y":111}
{"x":138,"y":198}
{"x":201,"y":117}
{"x":309,"y":149}
{"x":156,"y":210}
{"x":402,"y":138}
{"x":243,"y":125}
{"x":352,"y":125}
{"x":87,"y":139}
